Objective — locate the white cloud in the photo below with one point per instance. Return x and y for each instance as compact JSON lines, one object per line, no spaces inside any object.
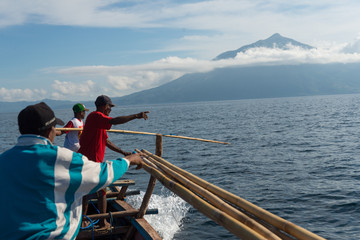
{"x":65,"y":89}
{"x":296,"y":55}
{"x":353,"y":47}
{"x":255,"y":18}
{"x":125,"y":79}
{"x":208,"y":27}
{"x":12,"y":95}
{"x":130,"y":78}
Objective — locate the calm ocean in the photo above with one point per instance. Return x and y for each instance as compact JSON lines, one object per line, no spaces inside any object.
{"x":299,"y":158}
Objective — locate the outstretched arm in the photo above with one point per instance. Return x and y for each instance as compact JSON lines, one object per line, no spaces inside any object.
{"x":115,"y":148}
{"x":125,"y":119}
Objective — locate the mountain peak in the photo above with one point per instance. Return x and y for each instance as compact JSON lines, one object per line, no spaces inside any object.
{"x":275,"y":36}
{"x":274,"y":41}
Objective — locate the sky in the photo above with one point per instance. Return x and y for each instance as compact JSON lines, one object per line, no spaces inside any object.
{"x":79,"y":49}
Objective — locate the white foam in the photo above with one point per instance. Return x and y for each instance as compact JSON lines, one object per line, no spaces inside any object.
{"x":172,"y":209}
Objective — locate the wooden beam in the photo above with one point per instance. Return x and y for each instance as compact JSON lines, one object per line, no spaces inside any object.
{"x":123,"y":182}
{"x":87,"y":234}
{"x":132,"y":230}
{"x":114,"y":214}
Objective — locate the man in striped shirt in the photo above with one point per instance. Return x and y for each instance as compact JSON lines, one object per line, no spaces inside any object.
{"x":43,"y":184}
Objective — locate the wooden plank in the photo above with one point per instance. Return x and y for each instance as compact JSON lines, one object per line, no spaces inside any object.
{"x":122,"y":192}
{"x":143,"y":225}
{"x":87,"y":234}
{"x":124,"y":205}
{"x":131,"y":212}
{"x":128,"y":193}
{"x":123,"y":182}
{"x":145,"y":229}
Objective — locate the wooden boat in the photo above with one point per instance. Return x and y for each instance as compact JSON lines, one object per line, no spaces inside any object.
{"x":240,"y":217}
{"x":126,"y":222}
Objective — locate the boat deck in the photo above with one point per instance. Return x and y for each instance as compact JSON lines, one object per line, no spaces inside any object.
{"x":123,"y":218}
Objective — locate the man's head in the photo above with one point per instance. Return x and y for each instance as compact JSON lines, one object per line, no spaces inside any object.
{"x":104,"y":104}
{"x":79,"y":110}
{"x":38,"y":119}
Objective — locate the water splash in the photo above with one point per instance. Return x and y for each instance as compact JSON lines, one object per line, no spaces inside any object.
{"x":172,"y":209}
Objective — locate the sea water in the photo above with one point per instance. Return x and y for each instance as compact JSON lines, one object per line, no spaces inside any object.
{"x":298,"y":158}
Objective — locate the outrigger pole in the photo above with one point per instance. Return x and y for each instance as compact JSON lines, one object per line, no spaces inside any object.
{"x":147,"y":133}
{"x":242,"y":218}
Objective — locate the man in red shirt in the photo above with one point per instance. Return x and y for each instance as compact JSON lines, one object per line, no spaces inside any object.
{"x":94,"y":138}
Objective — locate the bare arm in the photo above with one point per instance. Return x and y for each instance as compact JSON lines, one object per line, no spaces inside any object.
{"x":135,"y":159}
{"x":115,"y":148}
{"x":125,"y":119}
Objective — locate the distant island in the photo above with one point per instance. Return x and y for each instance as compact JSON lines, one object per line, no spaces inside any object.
{"x":242,"y":82}
{"x":254,"y":82}
{"x":275,"y":40}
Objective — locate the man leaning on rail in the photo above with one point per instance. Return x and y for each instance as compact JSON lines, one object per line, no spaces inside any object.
{"x":44,"y":184}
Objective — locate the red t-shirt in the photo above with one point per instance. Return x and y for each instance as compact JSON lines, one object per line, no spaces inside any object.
{"x":93,"y":137}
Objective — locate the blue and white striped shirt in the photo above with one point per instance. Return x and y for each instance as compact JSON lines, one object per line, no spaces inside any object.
{"x":42,"y":188}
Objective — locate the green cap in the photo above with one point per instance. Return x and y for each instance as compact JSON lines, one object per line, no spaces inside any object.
{"x":79,"y":108}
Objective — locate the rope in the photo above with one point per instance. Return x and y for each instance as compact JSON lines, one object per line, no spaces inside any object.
{"x":92,"y":223}
{"x":111,"y":224}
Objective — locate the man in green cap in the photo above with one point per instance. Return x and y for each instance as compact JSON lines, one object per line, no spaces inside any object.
{"x":72,"y":137}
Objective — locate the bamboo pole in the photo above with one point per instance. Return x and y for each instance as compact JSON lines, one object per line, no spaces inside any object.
{"x":261,"y":213}
{"x":147,"y":196}
{"x":147,"y":133}
{"x":276,"y":231}
{"x":152,"y":180}
{"x":159,"y":145}
{"x":217,"y":202}
{"x":223,"y":219}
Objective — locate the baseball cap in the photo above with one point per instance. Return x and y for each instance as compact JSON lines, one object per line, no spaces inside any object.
{"x":79,"y":107}
{"x":103,"y":100}
{"x":36,"y":118}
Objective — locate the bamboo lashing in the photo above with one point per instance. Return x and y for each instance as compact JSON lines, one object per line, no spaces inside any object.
{"x":147,"y":133}
{"x":223,"y":219}
{"x":278,"y":222}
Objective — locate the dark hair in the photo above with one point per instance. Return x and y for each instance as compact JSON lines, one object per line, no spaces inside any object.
{"x":102,"y":100}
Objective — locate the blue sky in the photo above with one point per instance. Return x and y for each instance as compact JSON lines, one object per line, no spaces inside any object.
{"x":79,"y":49}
